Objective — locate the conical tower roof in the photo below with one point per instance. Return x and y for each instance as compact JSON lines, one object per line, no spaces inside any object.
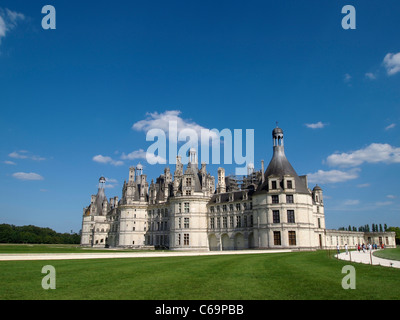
{"x":280,"y":166}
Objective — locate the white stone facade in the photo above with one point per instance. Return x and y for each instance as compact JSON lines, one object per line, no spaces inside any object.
{"x":274,"y":209}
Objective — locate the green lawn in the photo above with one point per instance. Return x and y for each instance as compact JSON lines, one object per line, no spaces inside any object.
{"x":392,"y":254}
{"x":300,"y":275}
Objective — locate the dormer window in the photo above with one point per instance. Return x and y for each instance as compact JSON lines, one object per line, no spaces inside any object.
{"x":289,"y":184}
{"x":273,"y":184}
{"x":188,"y":182}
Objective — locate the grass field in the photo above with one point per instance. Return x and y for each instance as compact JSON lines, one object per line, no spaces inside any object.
{"x":300,"y":275}
{"x":392,"y":254}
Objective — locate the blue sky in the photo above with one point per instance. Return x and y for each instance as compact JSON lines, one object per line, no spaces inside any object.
{"x":71,"y":94}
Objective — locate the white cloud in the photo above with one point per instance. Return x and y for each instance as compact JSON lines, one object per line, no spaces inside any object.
{"x":333,"y":176}
{"x":17,"y":155}
{"x":9,"y":162}
{"x":111,"y":183}
{"x":374,"y":153}
{"x":351,"y":202}
{"x":370,"y":76}
{"x":392,"y":63}
{"x":107,"y":160}
{"x":8,"y":21}
{"x":318,"y":125}
{"x":27,"y":176}
{"x":23,"y":154}
{"x":390,"y":196}
{"x":162,"y":121}
{"x":384,"y":203}
{"x":141,"y":154}
{"x":390,"y":126}
{"x":347,"y":78}
{"x":363,"y":185}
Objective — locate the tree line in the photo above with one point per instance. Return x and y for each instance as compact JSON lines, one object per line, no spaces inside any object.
{"x":375,"y":228}
{"x":366,"y":228}
{"x":32,"y":234}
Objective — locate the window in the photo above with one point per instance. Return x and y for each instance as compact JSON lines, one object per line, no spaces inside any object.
{"x":179,"y":207}
{"x":245,"y":221}
{"x":273,"y":184}
{"x":292,"y":238}
{"x":290,"y":216}
{"x":251,"y":220}
{"x":212,"y":209}
{"x":186,"y":207}
{"x":275,"y":199}
{"x":186,"y":239}
{"x":224,"y":208}
{"x":237,"y":206}
{"x":212,"y":223}
{"x":179,"y":239}
{"x":225,"y":222}
{"x":277,"y":238}
{"x":231,"y":221}
{"x":218,"y":223}
{"x":289,"y":184}
{"x":319,"y":223}
{"x":289,"y":198}
{"x":180,"y":223}
{"x":218,"y":209}
{"x":238,"y":222}
{"x":186,"y":223}
{"x":188,"y":192}
{"x":231,"y":207}
{"x":188,"y":182}
{"x":275,"y":216}
{"x":245,"y":206}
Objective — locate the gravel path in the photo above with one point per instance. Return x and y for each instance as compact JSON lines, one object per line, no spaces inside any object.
{"x":110,"y":255}
{"x":366,"y":257}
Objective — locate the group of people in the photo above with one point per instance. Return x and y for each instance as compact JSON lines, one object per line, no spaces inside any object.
{"x":364,"y":247}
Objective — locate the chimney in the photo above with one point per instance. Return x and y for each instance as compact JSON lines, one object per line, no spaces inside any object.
{"x":262,"y":171}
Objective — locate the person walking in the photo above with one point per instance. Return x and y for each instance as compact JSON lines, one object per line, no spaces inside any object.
{"x":338,"y":248}
{"x":346,"y":248}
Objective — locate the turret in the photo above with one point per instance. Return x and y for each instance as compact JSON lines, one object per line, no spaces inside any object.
{"x":317,"y":195}
{"x":221,"y":187}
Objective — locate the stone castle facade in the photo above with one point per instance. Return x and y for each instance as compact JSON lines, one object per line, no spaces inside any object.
{"x":189,"y":210}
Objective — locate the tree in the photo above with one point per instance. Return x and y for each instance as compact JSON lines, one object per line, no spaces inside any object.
{"x":33,"y":234}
